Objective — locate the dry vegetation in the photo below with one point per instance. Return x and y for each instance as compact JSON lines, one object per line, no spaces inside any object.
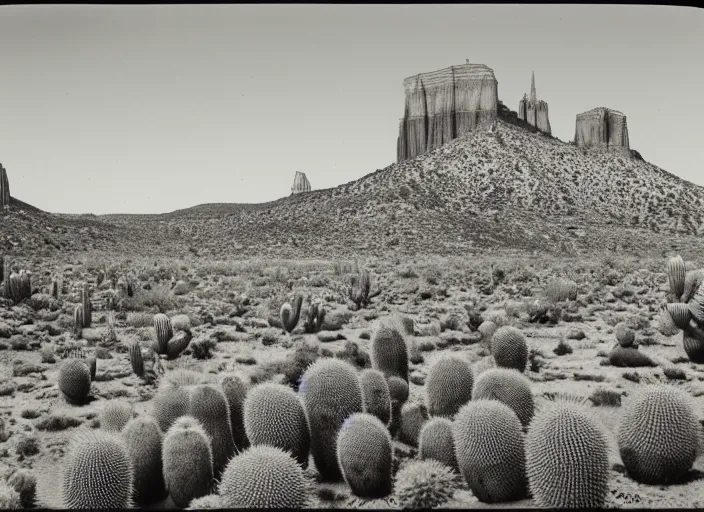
{"x":232,"y":311}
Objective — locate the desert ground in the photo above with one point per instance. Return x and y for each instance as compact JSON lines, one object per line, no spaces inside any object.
{"x":232,"y":310}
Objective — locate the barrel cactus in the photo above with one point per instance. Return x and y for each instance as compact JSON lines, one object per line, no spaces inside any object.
{"x":315,"y":316}
{"x":424,"y":484}
{"x":692,"y":281}
{"x":696,"y":304}
{"x":625,"y":335}
{"x":659,"y":434}
{"x":375,"y":391}
{"x":236,"y":391}
{"x":509,"y":348}
{"x":448,"y":386}
{"x":487,"y":330}
{"x":97,"y":472}
{"x":389,"y":351}
{"x":74,"y":381}
{"x":164,"y":332}
{"x":263,"y":477}
{"x":330,"y":392}
{"x":508,"y":386}
{"x":208,"y":405}
{"x":187,"y":459}
{"x":413,"y":417}
{"x":178,"y":343}
{"x":489,"y":447}
{"x":136,"y":358}
{"x":274,"y":415}
{"x":170,"y":403}
{"x":666,"y":325}
{"x":560,"y":289}
{"x":144,"y":442}
{"x":291,"y":313}
{"x":680,"y":313}
{"x":693,"y":342}
{"x":365,"y":456}
{"x":436,"y":442}
{"x":676,"y":271}
{"x":398,"y":389}
{"x":115,"y":416}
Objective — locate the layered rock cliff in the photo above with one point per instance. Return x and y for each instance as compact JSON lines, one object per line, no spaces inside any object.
{"x":602,"y":128}
{"x":534,"y":111}
{"x":442,"y":105}
{"x":4,"y":189}
{"x":300,"y":183}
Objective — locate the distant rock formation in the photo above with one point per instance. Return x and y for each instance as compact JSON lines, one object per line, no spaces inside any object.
{"x":602,"y":128}
{"x":534,"y":111}
{"x":4,"y":189}
{"x":300,"y":183}
{"x":442,"y":105}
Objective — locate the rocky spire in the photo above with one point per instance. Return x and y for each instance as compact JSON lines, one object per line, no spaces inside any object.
{"x":533,"y":95}
{"x":300,"y":183}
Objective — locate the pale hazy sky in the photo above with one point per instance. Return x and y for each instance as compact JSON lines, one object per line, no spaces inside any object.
{"x":149,"y":109}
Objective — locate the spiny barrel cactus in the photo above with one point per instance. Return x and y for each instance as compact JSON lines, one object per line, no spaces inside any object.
{"x":413,"y":417}
{"x":365,"y":456}
{"x":375,"y":391}
{"x":436,"y":442}
{"x":24,"y":482}
{"x":424,"y":484}
{"x":209,"y":406}
{"x":274,"y":415}
{"x":97,"y":472}
{"x":666,"y":325}
{"x":658,"y":436}
{"x":561,"y":289}
{"x":144,"y":443}
{"x":331,"y":392}
{"x":487,"y":330}
{"x":116,"y":415}
{"x":693,"y":342}
{"x":236,"y":391}
{"x":448,"y":386}
{"x":78,"y":321}
{"x":74,"y":381}
{"x":211,"y":501}
{"x":624,"y":335}
{"x":136,"y":358}
{"x":509,"y":348}
{"x":676,"y":270}
{"x":389,"y":352}
{"x":696,"y":304}
{"x":489,"y":447}
{"x":290,"y":314}
{"x":692,"y":281}
{"x":164,"y":332}
{"x":178,"y":343}
{"x":315,"y":316}
{"x":170,"y":403}
{"x":563,"y":432}
{"x":508,"y":386}
{"x":187,"y":461}
{"x":680,"y":313}
{"x":263,"y":477}
{"x":398,"y":389}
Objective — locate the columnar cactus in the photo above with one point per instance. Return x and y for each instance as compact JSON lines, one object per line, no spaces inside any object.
{"x":20,"y":286}
{"x":6,"y":271}
{"x":236,"y":391}
{"x":375,"y":391}
{"x":87,"y":306}
{"x":4,"y":189}
{"x":263,"y":477}
{"x":78,"y":321}
{"x":290,"y":314}
{"x":360,"y":289}
{"x":658,"y":437}
{"x":187,"y":461}
{"x":389,"y":352}
{"x":274,"y":415}
{"x":565,"y":431}
{"x":489,"y":447}
{"x":164,"y":332}
{"x":448,"y":386}
{"x":315,"y":317}
{"x":331,"y":392}
{"x":508,"y":386}
{"x":436,"y":442}
{"x":676,"y":272}
{"x":509,"y":348}
{"x":136,"y":358}
{"x":98,"y":472}
{"x":144,"y":442}
{"x":74,"y":381}
{"x":116,"y":415}
{"x":365,"y":456}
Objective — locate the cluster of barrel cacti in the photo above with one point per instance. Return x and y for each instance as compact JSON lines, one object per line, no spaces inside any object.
{"x":83,"y":312}
{"x":17,"y":286}
{"x":360,"y":289}
{"x":687,"y":311}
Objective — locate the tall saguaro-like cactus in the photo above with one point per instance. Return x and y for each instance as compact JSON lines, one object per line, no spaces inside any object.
{"x":4,"y":189}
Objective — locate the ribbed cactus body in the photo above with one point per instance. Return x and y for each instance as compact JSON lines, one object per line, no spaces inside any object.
{"x":696,"y":304}
{"x":169,"y":404}
{"x":487,"y":330}
{"x":86,"y":306}
{"x":291,"y":314}
{"x":624,"y":335}
{"x":330,"y":392}
{"x":509,"y":387}
{"x":187,"y":459}
{"x":413,"y":417}
{"x":560,"y":433}
{"x":136,"y":358}
{"x":274,"y":415}
{"x":666,"y":325}
{"x":178,"y":343}
{"x":97,"y":472}
{"x":693,"y":279}
{"x":78,"y":321}
{"x":263,"y":477}
{"x":236,"y":391}
{"x":144,"y":442}
{"x":489,"y":447}
{"x":509,"y":348}
{"x":375,"y":391}
{"x":680,"y":313}
{"x":658,"y":436}
{"x":693,"y":342}
{"x":676,"y":271}
{"x":74,"y":380}
{"x":389,"y":352}
{"x":436,"y":442}
{"x":560,"y":289}
{"x":424,"y":484}
{"x":315,"y":316}
{"x":209,"y":406}
{"x":448,"y":386}
{"x":365,"y":456}
{"x":116,"y":415}
{"x":164,"y":332}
